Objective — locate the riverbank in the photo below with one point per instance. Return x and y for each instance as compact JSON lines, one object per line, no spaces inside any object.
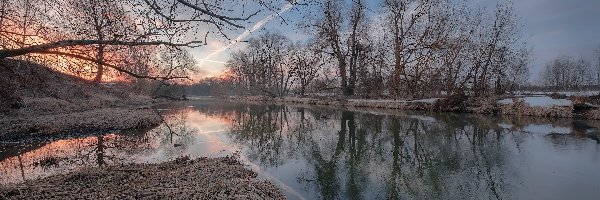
{"x":203,"y":178}
{"x":12,"y":129}
{"x":37,"y":101}
{"x":521,"y":105}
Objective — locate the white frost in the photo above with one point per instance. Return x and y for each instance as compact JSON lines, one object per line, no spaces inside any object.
{"x":505,"y":126}
{"x":540,"y":101}
{"x":432,"y":100}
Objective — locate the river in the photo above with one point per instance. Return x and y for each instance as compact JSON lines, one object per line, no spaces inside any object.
{"x":334,"y":153}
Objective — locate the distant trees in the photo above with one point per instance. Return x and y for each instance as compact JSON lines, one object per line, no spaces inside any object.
{"x":174,"y":62}
{"x":568,"y":73}
{"x":261,"y":67}
{"x":274,"y":66}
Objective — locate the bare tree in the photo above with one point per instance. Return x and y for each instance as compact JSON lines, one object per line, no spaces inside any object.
{"x":305,"y":64}
{"x":345,"y":40}
{"x":172,"y":62}
{"x":409,"y":25}
{"x":330,"y":29}
{"x":518,"y":70}
{"x":261,"y":67}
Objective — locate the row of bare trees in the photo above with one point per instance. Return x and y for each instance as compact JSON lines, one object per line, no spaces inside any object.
{"x":410,"y":49}
{"x":272,"y":64}
{"x":569,"y":73}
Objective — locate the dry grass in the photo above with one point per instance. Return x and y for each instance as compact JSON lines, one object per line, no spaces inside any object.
{"x":100,"y":119}
{"x":43,"y":101}
{"x":484,"y":105}
{"x":203,"y":178}
{"x":519,"y":107}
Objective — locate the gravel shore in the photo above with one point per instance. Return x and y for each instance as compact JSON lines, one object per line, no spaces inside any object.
{"x":183,"y":178}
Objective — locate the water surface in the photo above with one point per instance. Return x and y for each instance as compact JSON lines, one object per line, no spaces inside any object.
{"x":328,"y":153}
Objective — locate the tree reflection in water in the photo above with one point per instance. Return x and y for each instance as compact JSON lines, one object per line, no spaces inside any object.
{"x":107,"y":148}
{"x":364,"y":155}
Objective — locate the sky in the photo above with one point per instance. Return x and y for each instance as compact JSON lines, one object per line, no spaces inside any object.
{"x":551,"y":27}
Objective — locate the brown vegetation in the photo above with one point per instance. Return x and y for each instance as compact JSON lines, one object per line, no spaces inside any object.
{"x":42,"y":101}
{"x":456,"y":103}
{"x":203,"y":178}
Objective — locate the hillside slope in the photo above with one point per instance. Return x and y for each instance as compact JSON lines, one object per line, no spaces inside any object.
{"x":36,"y":99}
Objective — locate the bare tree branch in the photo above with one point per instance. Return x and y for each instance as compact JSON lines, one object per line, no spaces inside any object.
{"x":6,"y":53}
{"x":120,"y":69}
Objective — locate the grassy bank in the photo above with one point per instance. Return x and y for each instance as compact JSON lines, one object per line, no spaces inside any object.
{"x":576,"y":107}
{"x":37,"y":100}
{"x":203,"y":178}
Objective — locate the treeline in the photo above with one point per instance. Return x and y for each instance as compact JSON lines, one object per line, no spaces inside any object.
{"x":411,"y":49}
{"x":569,"y":73}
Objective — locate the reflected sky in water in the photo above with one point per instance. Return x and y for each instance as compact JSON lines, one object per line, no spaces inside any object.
{"x":327,"y":153}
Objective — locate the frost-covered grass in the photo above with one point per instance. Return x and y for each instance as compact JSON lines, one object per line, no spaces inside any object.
{"x":48,"y":102}
{"x":202,"y":178}
{"x":93,"y":120}
{"x":566,"y":93}
{"x":518,"y":105}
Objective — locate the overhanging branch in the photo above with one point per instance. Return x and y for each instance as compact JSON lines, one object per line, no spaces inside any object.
{"x":114,"y":67}
{"x":41,"y":48}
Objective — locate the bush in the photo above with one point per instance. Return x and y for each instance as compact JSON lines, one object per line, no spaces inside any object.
{"x":557,"y":96}
{"x":456,"y":102}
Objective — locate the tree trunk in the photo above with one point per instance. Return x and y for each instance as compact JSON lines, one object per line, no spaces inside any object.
{"x":100,"y":73}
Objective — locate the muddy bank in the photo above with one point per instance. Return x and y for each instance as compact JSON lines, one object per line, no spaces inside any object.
{"x":203,"y":178}
{"x":488,"y":105}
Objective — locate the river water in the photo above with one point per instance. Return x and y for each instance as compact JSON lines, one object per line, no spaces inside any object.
{"x":333,"y":153}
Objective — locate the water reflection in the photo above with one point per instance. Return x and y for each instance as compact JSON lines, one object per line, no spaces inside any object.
{"x":325,"y":153}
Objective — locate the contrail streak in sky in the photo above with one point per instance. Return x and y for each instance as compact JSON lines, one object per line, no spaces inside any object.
{"x":212,"y":61}
{"x":246,"y":33}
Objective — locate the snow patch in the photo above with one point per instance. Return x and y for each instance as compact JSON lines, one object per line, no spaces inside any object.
{"x":505,"y":101}
{"x":539,"y":101}
{"x":432,"y":100}
{"x":569,"y":93}
{"x":505,"y":126}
